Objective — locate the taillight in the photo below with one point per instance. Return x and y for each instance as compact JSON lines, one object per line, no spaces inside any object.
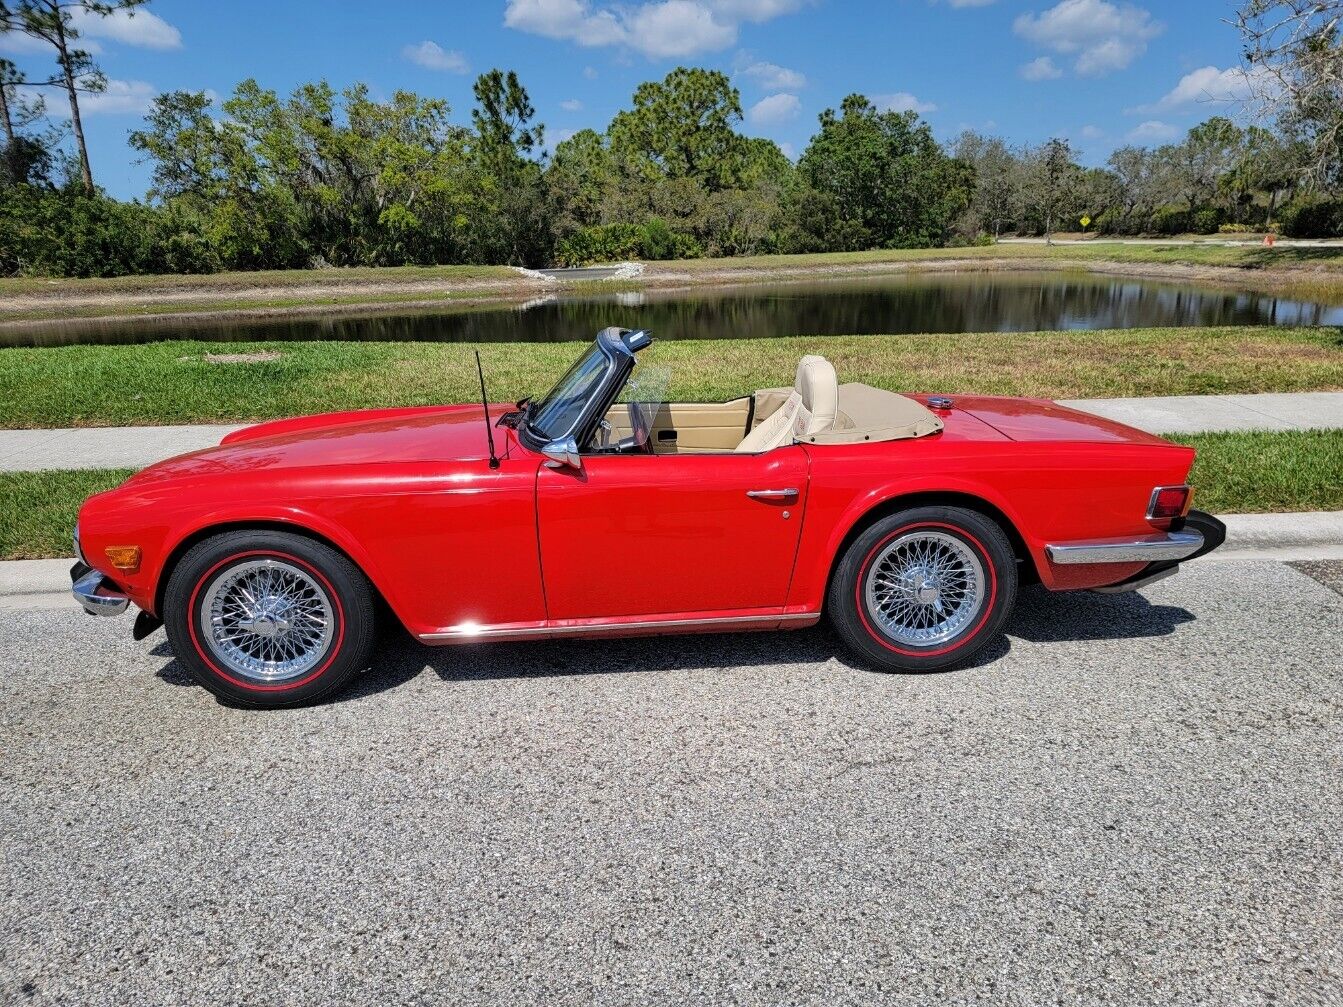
{"x":1169,"y":502}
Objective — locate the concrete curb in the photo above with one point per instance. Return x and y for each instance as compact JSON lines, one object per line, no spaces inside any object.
{"x":45,"y":583}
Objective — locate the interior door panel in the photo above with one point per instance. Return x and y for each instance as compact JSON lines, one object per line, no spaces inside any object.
{"x":685,"y":427}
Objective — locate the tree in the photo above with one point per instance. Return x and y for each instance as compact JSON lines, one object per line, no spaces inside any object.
{"x":1051,"y":184}
{"x":682,"y":127}
{"x":886,"y":175}
{"x":997,"y":176}
{"x":1295,"y":72}
{"x":1209,"y":151}
{"x":1136,"y":184}
{"x":25,"y":157}
{"x":515,"y":222}
{"x":52,"y":22}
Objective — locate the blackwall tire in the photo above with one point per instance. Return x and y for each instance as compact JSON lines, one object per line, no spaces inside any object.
{"x":924,"y":589}
{"x":269,"y":619}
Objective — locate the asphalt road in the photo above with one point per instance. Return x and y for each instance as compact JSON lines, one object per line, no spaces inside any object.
{"x":1131,"y":799}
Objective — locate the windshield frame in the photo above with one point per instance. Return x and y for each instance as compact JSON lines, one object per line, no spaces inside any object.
{"x":613,"y":344}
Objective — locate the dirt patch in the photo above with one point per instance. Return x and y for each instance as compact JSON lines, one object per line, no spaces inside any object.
{"x":264,"y":356}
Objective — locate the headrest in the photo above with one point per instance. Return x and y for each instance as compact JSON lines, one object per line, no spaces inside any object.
{"x":819,"y":387}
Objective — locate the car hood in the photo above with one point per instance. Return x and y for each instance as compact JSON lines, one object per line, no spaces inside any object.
{"x":424,"y":434}
{"x":1042,"y":420}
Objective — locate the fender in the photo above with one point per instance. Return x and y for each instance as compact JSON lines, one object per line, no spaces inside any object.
{"x":823,"y":535}
{"x":294,"y":517}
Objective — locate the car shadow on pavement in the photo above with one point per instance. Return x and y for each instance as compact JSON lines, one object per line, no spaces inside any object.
{"x":1040,"y":617}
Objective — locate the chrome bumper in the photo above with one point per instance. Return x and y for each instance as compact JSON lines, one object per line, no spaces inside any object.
{"x":95,"y":593}
{"x":1159,"y":547}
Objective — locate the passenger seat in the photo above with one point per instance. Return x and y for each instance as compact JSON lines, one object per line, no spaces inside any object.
{"x":809,"y":409}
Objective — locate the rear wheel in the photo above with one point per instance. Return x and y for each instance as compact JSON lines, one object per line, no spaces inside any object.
{"x":266,"y":618}
{"x":924,"y":588}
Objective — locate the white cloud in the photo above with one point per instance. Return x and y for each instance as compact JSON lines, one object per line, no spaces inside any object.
{"x":753,"y":10}
{"x":772,"y":77}
{"x":433,"y":56}
{"x":138,"y":28}
{"x":659,"y":29}
{"x":902,"y":101}
{"x":1210,"y":84}
{"x":122,"y":97}
{"x":677,"y":28}
{"x":567,"y":19}
{"x":789,"y":151}
{"x":1090,"y":132}
{"x":1153,"y":130}
{"x":1102,"y":36}
{"x":775,"y":109}
{"x":1040,"y":69}
{"x":571,"y":105}
{"x":590,"y":72}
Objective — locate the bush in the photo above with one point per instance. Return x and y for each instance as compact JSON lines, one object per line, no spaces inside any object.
{"x":1205,"y":221}
{"x":616,"y":242}
{"x":1171,"y":220}
{"x":1312,"y":219}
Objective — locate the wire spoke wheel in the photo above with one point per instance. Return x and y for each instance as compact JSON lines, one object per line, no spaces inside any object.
{"x":267,"y":620}
{"x":924,"y":588}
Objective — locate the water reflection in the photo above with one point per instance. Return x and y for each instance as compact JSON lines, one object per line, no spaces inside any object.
{"x":939,"y":303}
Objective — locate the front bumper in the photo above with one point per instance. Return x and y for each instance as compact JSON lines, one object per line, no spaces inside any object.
{"x":95,"y":593}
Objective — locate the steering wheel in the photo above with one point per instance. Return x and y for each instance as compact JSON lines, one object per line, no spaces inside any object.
{"x":643,"y":433}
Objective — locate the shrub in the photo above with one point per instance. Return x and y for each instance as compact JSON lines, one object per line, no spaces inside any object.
{"x":1170,"y":220}
{"x":614,"y":242}
{"x":1305,"y":218}
{"x":1205,"y":221}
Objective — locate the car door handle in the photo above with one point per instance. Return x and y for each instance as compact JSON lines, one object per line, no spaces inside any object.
{"x":784,"y":494}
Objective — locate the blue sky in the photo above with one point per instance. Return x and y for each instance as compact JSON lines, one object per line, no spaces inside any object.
{"x":1100,"y":72}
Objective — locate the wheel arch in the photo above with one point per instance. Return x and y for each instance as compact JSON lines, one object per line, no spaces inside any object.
{"x":1026,"y":569}
{"x":209,"y":531}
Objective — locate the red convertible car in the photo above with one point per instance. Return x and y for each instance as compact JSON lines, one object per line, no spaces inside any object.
{"x":601,"y":509}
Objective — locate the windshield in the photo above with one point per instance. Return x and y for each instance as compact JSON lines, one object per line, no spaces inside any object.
{"x":556,"y":414}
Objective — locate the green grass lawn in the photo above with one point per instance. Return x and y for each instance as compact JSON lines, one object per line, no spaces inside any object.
{"x":38,"y":509}
{"x":1235,"y":473}
{"x":172,"y":382}
{"x":1256,"y":472}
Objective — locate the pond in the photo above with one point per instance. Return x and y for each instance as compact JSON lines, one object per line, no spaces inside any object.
{"x":919,"y":303}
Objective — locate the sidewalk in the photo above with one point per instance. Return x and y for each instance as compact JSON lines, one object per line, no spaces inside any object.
{"x":136,"y":447}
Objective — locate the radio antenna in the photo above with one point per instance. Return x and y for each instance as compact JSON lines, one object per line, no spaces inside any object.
{"x":485,"y":401}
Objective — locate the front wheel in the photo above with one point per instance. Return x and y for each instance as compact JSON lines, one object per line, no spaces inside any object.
{"x":265,"y":618}
{"x":924,"y":588}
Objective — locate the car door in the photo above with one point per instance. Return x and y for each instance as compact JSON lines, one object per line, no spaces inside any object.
{"x":631,"y":535}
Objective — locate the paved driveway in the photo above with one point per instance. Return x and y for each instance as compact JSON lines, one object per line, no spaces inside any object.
{"x":1132,"y":799}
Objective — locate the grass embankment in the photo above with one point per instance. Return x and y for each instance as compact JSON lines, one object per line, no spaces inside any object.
{"x":1235,"y":473}
{"x":174,"y":382}
{"x":1305,"y":271}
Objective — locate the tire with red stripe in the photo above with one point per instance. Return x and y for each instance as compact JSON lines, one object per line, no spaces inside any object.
{"x":924,"y":588}
{"x":265,"y":618}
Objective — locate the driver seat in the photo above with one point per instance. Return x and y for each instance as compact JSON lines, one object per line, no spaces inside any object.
{"x":809,"y":409}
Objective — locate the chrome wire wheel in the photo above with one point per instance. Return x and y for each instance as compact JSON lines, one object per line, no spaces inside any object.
{"x":267,"y":620}
{"x":924,"y":588}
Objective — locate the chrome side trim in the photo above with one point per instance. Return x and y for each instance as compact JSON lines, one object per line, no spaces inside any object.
{"x":96,"y":598}
{"x":488,"y":632}
{"x":1133,"y":585}
{"x":1160,"y":546}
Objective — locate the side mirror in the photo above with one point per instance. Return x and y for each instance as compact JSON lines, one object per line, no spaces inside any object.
{"x":563,"y":454}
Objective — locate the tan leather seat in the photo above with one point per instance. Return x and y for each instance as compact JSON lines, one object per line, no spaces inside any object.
{"x":809,"y":408}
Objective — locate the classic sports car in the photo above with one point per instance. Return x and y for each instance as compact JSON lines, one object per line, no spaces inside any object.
{"x":908,"y":520}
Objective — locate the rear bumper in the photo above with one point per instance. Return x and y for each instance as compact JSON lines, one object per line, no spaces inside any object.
{"x":1158,"y":547}
{"x":95,"y":593}
{"x":1196,"y":525}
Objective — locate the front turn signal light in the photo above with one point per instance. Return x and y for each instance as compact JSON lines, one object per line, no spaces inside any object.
{"x":1169,"y":502}
{"x":124,"y":557}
